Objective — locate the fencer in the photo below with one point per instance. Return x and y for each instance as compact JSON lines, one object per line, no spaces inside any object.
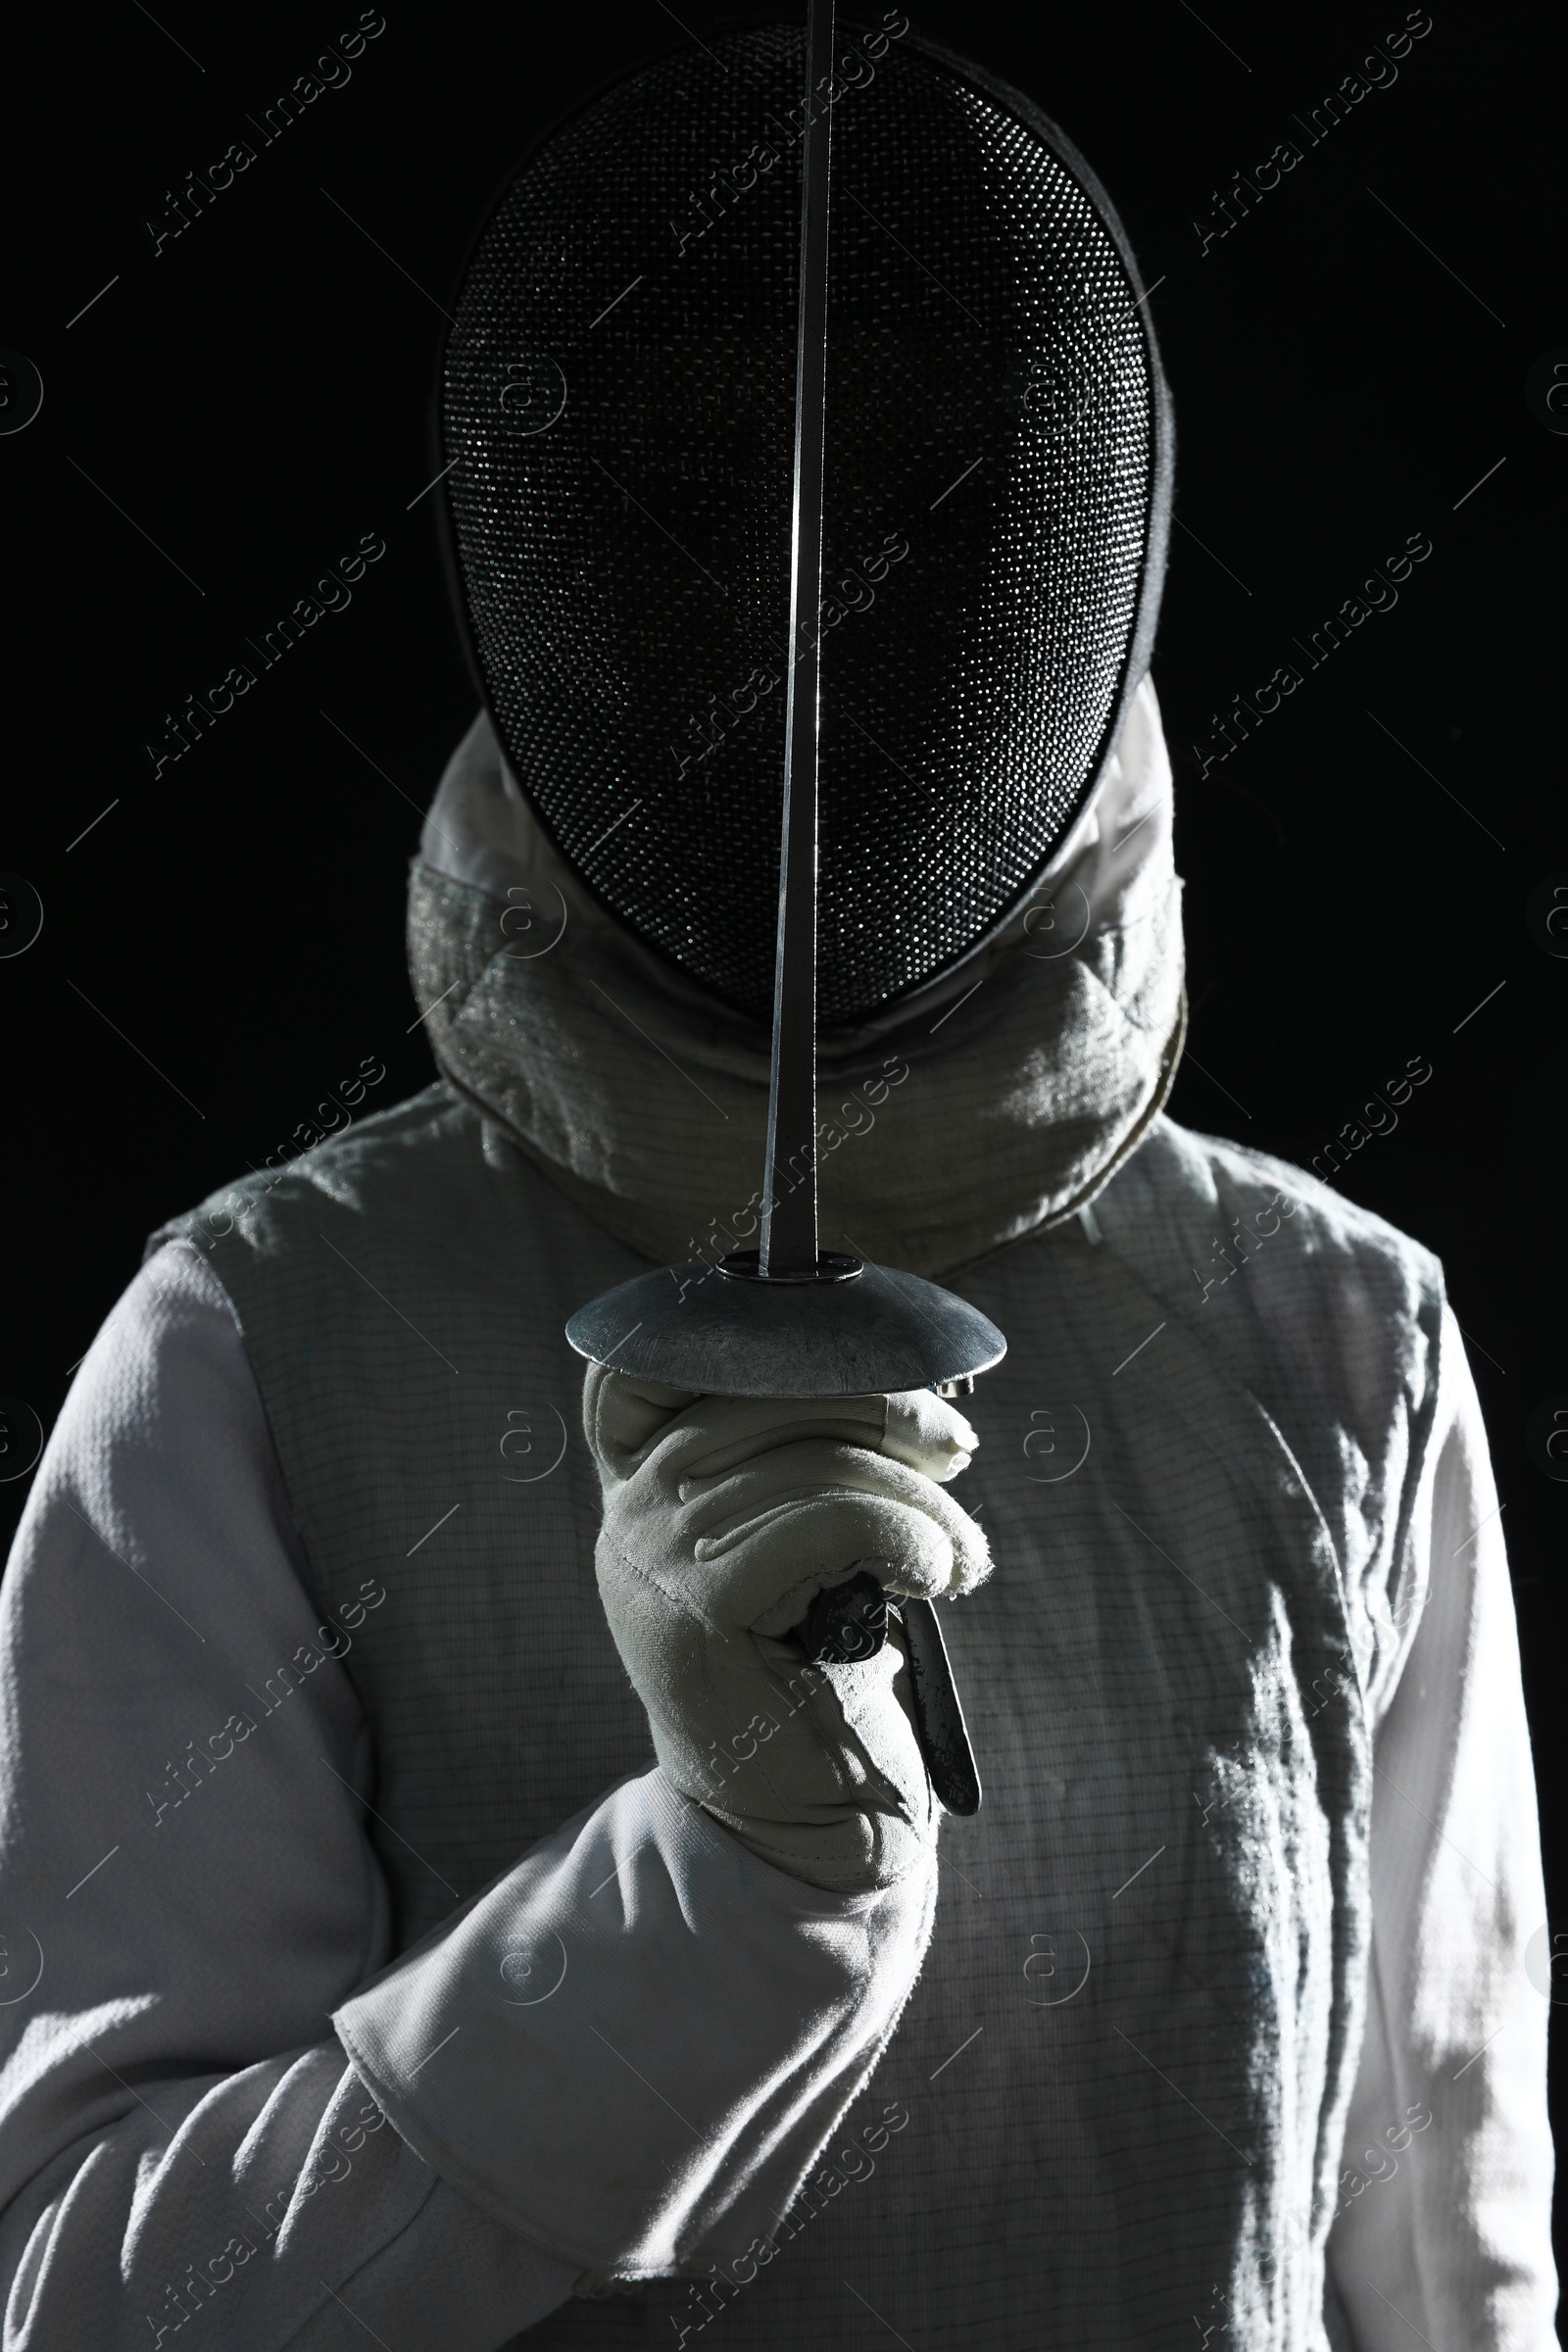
{"x":441,"y":1902}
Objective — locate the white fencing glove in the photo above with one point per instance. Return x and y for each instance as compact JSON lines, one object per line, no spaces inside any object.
{"x":724,"y":1517}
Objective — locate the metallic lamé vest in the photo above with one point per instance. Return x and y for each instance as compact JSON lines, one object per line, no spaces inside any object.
{"x":1127,"y":2060}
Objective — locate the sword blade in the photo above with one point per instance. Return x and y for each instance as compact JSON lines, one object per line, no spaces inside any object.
{"x":789,"y":1237}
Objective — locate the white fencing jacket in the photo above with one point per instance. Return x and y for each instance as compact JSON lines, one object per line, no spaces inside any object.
{"x":194,"y":1885}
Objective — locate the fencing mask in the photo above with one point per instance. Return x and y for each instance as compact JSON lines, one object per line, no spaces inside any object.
{"x":616,"y":412}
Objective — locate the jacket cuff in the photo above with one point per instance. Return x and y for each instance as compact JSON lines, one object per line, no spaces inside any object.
{"x":632,"y":2047}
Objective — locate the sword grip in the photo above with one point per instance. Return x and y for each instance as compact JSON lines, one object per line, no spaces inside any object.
{"x":848,"y":1623}
{"x":938,"y":1723}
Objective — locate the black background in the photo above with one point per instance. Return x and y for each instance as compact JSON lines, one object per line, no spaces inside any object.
{"x":253,"y":398}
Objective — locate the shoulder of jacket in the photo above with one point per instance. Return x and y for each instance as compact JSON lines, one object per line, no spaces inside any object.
{"x":345,"y":1168}
{"x":1195,"y":1178}
{"x":1294,"y":1281}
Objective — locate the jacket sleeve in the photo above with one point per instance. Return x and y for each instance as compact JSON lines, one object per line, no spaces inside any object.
{"x":1443,"y":2225}
{"x":188,"y":1900}
{"x":185,"y":1889}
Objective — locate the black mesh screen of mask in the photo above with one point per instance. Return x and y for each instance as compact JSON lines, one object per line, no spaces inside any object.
{"x":618,"y":404}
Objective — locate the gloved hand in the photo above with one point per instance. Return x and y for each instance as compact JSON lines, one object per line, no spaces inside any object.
{"x":724,"y":1516}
